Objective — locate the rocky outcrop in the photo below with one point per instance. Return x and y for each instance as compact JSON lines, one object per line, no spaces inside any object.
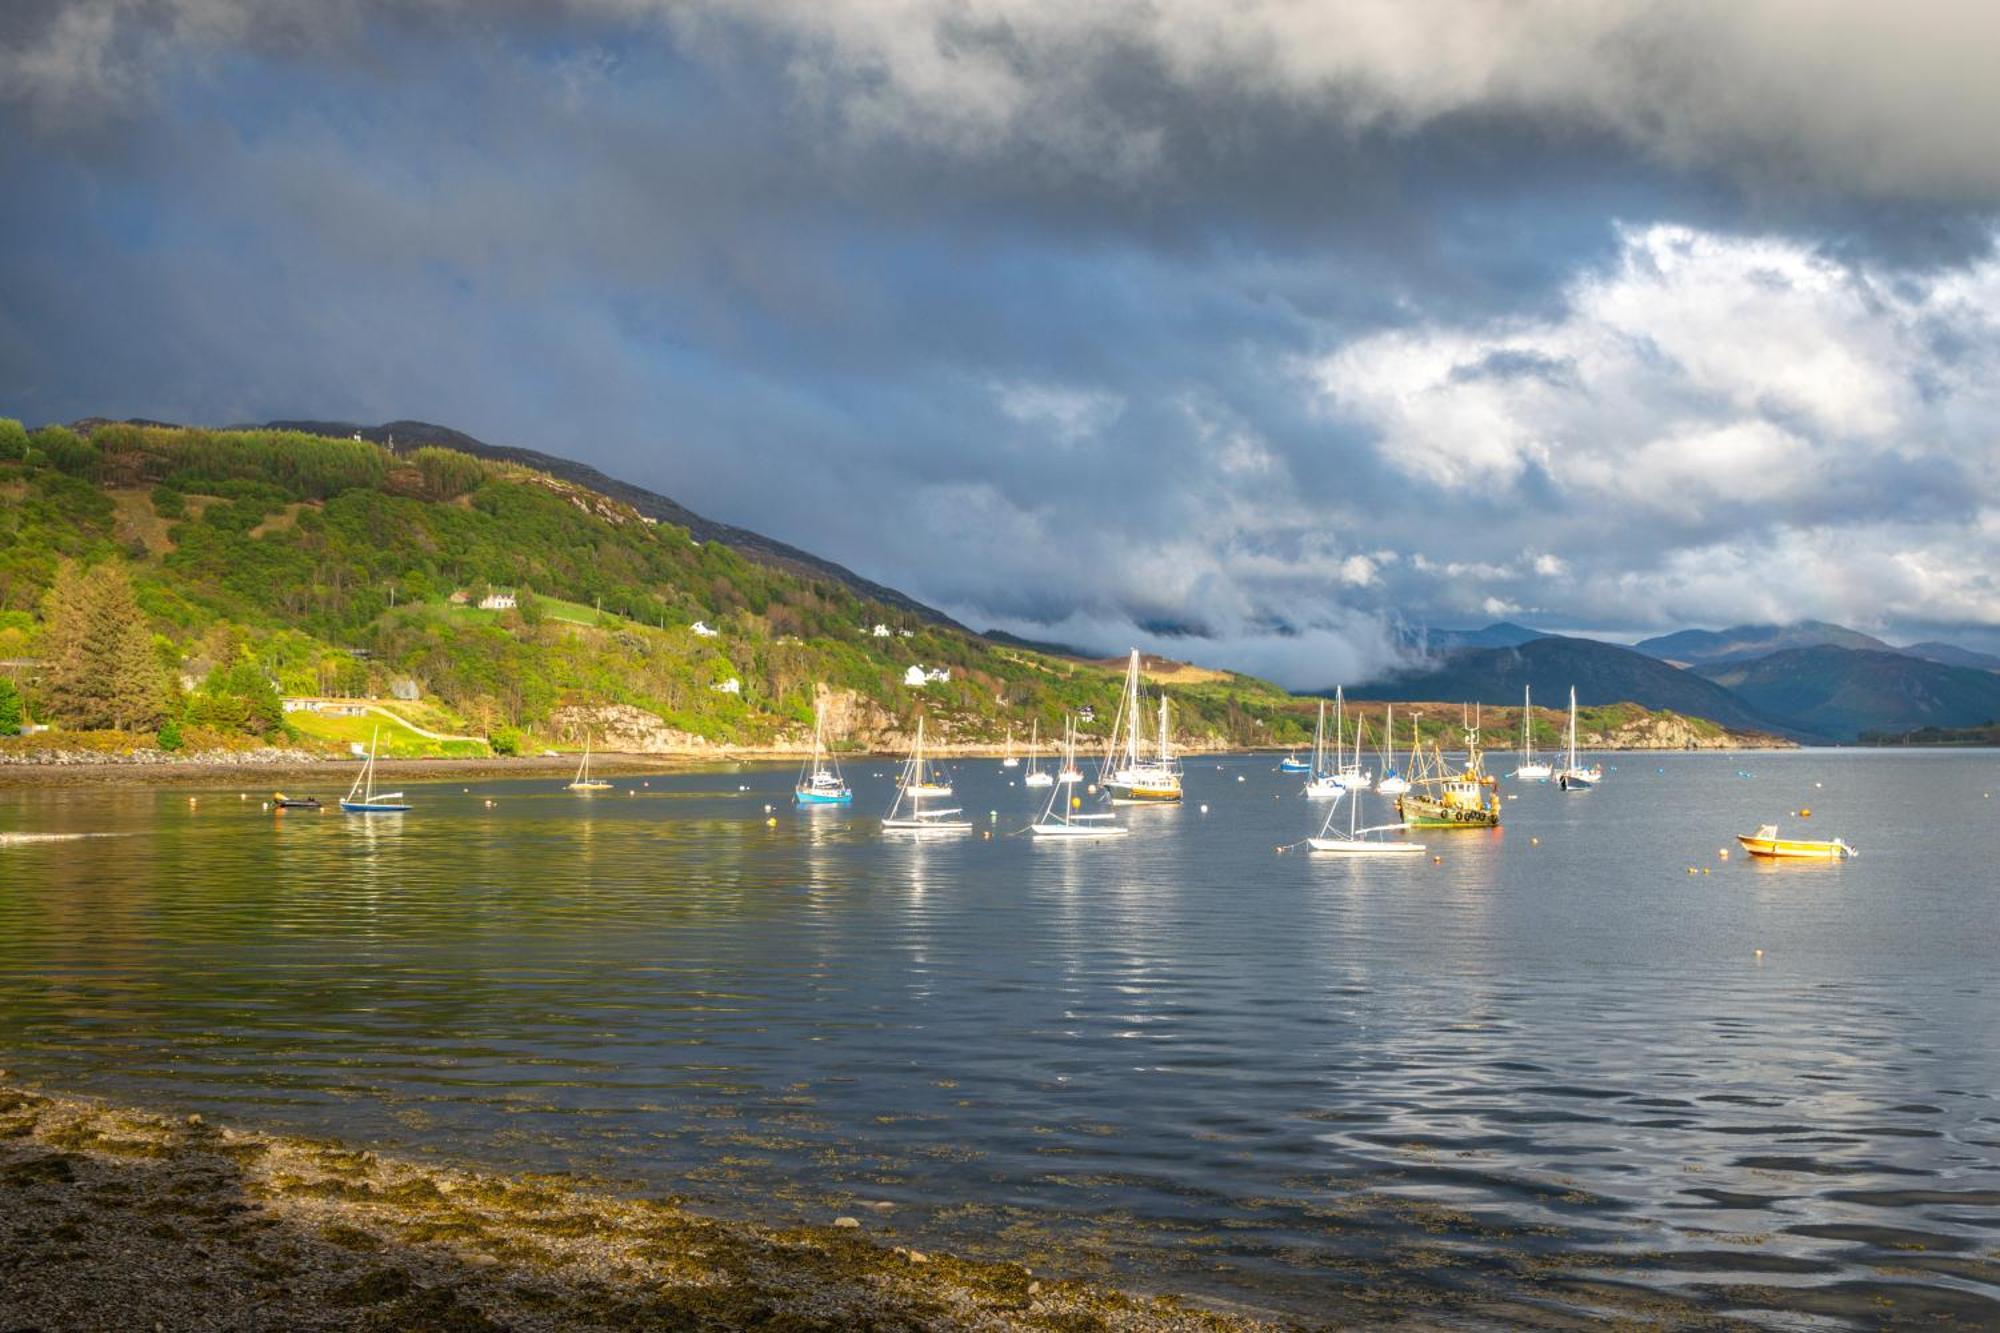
{"x":1671,"y":731}
{"x":623,"y":729}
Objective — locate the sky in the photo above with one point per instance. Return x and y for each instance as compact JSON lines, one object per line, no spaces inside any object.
{"x":1247,"y":330}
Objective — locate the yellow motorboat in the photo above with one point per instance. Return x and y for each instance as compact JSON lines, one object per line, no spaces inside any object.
{"x":1766,"y":842}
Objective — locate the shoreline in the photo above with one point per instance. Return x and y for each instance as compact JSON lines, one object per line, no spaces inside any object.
{"x":258,"y":769}
{"x":179,"y":1224}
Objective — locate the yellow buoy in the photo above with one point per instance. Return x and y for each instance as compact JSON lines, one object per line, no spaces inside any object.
{"x":771,"y":823}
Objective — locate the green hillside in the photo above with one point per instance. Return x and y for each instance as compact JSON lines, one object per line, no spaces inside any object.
{"x":265,"y":563}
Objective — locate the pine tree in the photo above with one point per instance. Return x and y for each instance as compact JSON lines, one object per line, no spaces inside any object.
{"x":101,"y":668}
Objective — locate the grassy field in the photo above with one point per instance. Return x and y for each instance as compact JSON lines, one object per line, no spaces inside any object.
{"x":398,"y":742}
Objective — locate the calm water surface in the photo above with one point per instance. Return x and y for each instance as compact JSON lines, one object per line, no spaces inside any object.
{"x":1552,"y":1072}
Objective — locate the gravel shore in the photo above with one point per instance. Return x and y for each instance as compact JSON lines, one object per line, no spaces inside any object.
{"x":122,"y":1219}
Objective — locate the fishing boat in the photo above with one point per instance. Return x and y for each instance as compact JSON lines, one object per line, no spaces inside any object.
{"x":1036,"y":776}
{"x":1063,"y":819}
{"x":1530,"y":769}
{"x":1010,"y":760}
{"x":1766,"y":842}
{"x":1357,"y":841}
{"x":280,"y":801}
{"x":1291,"y":763}
{"x":583,"y":781}
{"x":1324,"y":783}
{"x":907,"y":814}
{"x":362,"y":798}
{"x":1129,"y":774}
{"x":1442,"y":796}
{"x":1349,"y":775}
{"x":1574,"y":776}
{"x":1392,"y":782}
{"x":819,"y":781}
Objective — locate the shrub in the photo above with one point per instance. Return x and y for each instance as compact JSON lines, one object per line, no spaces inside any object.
{"x":505,"y":740}
{"x":170,"y":735}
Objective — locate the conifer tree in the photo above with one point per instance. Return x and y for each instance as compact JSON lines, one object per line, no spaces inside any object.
{"x":102,"y":670}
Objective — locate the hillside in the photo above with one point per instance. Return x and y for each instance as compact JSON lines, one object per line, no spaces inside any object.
{"x":1841,"y":692}
{"x":764,"y":550}
{"x":1424,"y":640}
{"x":1602,"y":674}
{"x":1950,"y":654}
{"x":1698,"y":647}
{"x":265,"y":563}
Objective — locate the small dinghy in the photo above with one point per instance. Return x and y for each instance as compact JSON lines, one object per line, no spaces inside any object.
{"x":280,"y":801}
{"x":1766,"y":842}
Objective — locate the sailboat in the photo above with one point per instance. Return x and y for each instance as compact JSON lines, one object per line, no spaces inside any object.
{"x":583,"y":781}
{"x":1530,"y":769}
{"x":1291,"y":763}
{"x":1574,"y":776}
{"x":1036,"y":776}
{"x":907,"y":814}
{"x":1010,"y":761}
{"x":1062,"y":818}
{"x":362,"y":798}
{"x":1324,"y":784}
{"x":1349,"y":776}
{"x":819,"y":781}
{"x":1132,"y":776}
{"x":1359,"y":841}
{"x":1392,"y":782}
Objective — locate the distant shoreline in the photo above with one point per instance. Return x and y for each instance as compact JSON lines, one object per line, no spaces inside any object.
{"x":258,"y":770}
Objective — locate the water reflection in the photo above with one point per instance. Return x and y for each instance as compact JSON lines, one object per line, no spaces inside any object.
{"x":1550,"y":1067}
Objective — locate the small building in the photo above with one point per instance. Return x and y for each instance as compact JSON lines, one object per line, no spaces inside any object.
{"x":497,"y":601}
{"x":916,"y":676}
{"x":1086,"y":714}
{"x":730,"y":686}
{"x":459,"y":597}
{"x":880,"y":631}
{"x":906,"y":633}
{"x":702,"y":630}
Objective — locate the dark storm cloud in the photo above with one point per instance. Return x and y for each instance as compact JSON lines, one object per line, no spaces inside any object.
{"x":1072,"y":318}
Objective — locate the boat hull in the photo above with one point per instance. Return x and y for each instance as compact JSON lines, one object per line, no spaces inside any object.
{"x":1139,"y":794}
{"x":1360,"y":847}
{"x":1075,"y":832}
{"x":823,"y":798}
{"x":1794,"y":848}
{"x":1427,"y":812}
{"x":1294,"y":766}
{"x":1038,"y":780}
{"x":373,"y":808}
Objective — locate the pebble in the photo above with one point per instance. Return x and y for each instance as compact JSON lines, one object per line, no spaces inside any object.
{"x":847,"y":1222}
{"x":194,"y":1122}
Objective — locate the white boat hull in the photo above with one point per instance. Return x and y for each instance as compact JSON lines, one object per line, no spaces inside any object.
{"x":1362,"y":847}
{"x":1038,"y":780}
{"x":1077,"y":832}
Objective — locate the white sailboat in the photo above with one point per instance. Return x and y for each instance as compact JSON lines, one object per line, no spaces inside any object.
{"x":1323,"y":784}
{"x":907,"y":813}
{"x":1129,"y":775}
{"x":1350,"y":775}
{"x":1062,"y":818}
{"x":362,"y":798}
{"x":1009,"y":760}
{"x":1574,"y":776}
{"x":1359,"y":841}
{"x":1036,"y":776}
{"x":583,"y":781}
{"x":1392,"y":782}
{"x":1530,"y":769}
{"x":819,"y":781}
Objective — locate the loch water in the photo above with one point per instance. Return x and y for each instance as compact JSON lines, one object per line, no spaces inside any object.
{"x":1580,"y":1064}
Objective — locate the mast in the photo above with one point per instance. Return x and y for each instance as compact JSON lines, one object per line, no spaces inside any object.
{"x":1527,"y":739}
{"x":1132,"y":712}
{"x":1319,"y":741}
{"x":1165,"y":757}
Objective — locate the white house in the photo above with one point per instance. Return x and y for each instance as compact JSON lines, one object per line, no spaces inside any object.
{"x":730,"y":686}
{"x":917,"y":677}
{"x":702,"y":631}
{"x":497,"y":601}
{"x":907,"y":633}
{"x":914,"y":677}
{"x":880,"y":631}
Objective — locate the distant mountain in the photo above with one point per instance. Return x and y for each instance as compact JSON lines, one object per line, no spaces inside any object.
{"x":1501,"y":634}
{"x":1843,"y":692}
{"x":1700,"y":647}
{"x":756,"y":546}
{"x":1602,"y":673}
{"x":1053,"y":649}
{"x":1950,"y":654}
